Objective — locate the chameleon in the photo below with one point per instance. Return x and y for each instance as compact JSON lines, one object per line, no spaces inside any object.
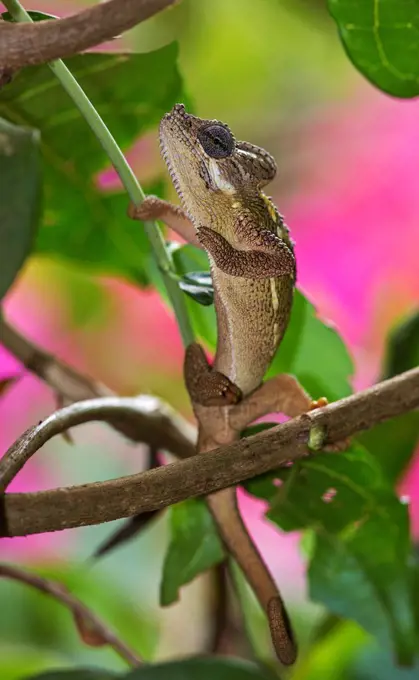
{"x":223,"y":210}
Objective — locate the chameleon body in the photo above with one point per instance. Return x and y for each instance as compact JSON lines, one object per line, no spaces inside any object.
{"x":219,"y":181}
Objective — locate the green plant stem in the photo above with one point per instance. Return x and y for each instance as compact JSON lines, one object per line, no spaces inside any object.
{"x":127,"y":177}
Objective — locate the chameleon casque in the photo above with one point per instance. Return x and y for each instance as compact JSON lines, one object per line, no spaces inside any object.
{"x":219,"y":181}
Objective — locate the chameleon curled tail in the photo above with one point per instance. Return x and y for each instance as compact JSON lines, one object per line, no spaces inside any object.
{"x":223,"y":506}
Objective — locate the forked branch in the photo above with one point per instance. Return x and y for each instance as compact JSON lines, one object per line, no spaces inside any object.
{"x":172,"y":431}
{"x":90,"y":627}
{"x":223,"y":467}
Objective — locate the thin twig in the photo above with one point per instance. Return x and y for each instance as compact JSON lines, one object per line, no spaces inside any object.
{"x":200,"y":475}
{"x":129,"y":410}
{"x":71,"y":386}
{"x":91,"y":629}
{"x":65,"y":381}
{"x":25,"y":44}
{"x":220,"y":618}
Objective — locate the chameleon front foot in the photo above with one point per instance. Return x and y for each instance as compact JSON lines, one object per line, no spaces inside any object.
{"x":267,"y":255}
{"x":206,"y":386}
{"x":154,"y":208}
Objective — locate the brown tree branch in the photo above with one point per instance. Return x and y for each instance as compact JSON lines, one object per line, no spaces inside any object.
{"x":27,"y":44}
{"x":171,"y":431}
{"x":91,"y":629}
{"x":197,"y":476}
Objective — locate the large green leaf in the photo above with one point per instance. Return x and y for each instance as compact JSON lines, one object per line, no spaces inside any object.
{"x":332,"y":653}
{"x":375,"y":662}
{"x":393,"y":443}
{"x":201,"y":669}
{"x":23,"y":661}
{"x":381,"y":38}
{"x":194,"y":547}
{"x":403,"y":347}
{"x":313,"y":352}
{"x":131,"y":92}
{"x":20,"y":192}
{"x":360,"y":567}
{"x":35,"y":16}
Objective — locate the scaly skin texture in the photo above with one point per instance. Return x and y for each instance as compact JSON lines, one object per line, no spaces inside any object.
{"x":219,"y":182}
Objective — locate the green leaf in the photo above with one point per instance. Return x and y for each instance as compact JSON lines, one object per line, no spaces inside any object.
{"x":20,"y":193}
{"x":381,"y":37}
{"x":258,"y":427}
{"x":393,"y":443}
{"x":75,"y":674}
{"x":375,"y":662}
{"x":403,"y":347}
{"x":35,"y":16}
{"x":313,"y":352}
{"x":330,"y":655}
{"x":360,"y":567}
{"x":23,"y":661}
{"x":194,"y":547}
{"x":201,"y":669}
{"x":81,"y":224}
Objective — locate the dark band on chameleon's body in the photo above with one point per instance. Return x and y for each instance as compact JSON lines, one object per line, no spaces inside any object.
{"x":269,"y":257}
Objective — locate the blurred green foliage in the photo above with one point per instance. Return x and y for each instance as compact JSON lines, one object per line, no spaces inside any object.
{"x":81,"y":222}
{"x":195,"y":546}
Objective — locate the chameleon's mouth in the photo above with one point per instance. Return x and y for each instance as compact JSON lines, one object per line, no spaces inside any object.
{"x":178,"y":148}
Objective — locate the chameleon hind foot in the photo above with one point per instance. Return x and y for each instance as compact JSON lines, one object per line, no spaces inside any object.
{"x":206,"y":386}
{"x":281,"y":394}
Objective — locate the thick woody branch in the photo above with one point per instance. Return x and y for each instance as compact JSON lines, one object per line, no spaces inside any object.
{"x":173,"y":432}
{"x":26,"y":44}
{"x":92,"y":630}
{"x":226,"y":466}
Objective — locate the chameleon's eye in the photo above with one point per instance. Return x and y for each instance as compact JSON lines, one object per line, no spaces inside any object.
{"x":217,"y":141}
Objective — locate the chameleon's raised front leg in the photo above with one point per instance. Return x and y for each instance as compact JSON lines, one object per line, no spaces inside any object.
{"x":266,"y":255}
{"x":280,"y":394}
{"x":154,"y":208}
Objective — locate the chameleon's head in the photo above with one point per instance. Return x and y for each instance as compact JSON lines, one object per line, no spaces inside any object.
{"x":206,"y":162}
